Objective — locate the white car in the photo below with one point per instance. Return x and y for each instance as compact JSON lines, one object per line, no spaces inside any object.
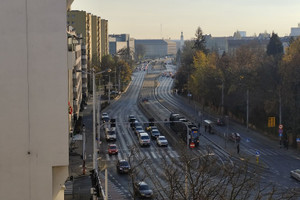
{"x":296,"y":174}
{"x":161,"y":141}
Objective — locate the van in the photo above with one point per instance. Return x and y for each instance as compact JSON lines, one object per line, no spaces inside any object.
{"x":110,"y":134}
{"x":144,"y":139}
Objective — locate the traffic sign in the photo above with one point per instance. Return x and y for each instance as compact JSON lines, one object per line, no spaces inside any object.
{"x":257,"y":153}
{"x":298,"y":140}
{"x":192,"y":145}
{"x":280,"y":126}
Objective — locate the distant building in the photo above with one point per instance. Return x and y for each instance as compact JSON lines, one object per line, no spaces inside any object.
{"x":120,"y":41}
{"x":181,"y":41}
{"x":157,"y":48}
{"x":295,"y":31}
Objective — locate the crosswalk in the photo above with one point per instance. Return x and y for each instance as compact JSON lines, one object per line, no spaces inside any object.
{"x":153,"y":154}
{"x":144,"y":155}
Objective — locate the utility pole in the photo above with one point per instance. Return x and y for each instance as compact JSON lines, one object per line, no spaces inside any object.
{"x":222,"y":100}
{"x":119,"y":85}
{"x":279,"y":107}
{"x":247,"y":108}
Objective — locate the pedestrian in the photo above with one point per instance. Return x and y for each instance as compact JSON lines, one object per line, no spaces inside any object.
{"x":205,"y":127}
{"x":238,"y":148}
{"x":287,"y":143}
{"x":209,"y":128}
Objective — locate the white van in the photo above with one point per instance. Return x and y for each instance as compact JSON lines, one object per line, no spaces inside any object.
{"x":144,"y":139}
{"x":110,"y":134}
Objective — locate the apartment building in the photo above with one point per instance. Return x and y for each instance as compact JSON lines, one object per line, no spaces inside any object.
{"x":104,"y":37}
{"x":34,"y":102}
{"x":74,"y":76}
{"x":81,"y":21}
{"x":96,"y":40}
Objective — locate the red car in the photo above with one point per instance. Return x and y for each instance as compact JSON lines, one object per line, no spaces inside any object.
{"x":112,"y":149}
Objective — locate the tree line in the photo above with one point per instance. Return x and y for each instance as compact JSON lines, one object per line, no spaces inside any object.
{"x":268,"y":79}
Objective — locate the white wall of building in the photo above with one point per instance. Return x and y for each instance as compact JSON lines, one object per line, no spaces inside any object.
{"x":34,"y":99}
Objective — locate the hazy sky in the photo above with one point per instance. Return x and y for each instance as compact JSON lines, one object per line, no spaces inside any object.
{"x":167,"y":18}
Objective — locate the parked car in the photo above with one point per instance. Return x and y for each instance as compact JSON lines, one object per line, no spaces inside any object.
{"x":142,"y":189}
{"x":112,"y":149}
{"x":123,"y":166}
{"x":161,"y":141}
{"x":295,"y":174}
{"x":235,"y":137}
{"x":144,"y":139}
{"x":154,"y":133}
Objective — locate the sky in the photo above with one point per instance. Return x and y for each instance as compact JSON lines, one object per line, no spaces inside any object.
{"x":166,"y":19}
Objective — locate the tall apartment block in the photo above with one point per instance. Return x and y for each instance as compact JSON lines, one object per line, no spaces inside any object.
{"x":104,"y":37}
{"x":34,"y":100}
{"x":96,"y":40}
{"x":94,"y":36}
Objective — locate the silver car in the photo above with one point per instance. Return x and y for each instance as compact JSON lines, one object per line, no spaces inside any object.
{"x":296,"y":174}
{"x":162,"y":141}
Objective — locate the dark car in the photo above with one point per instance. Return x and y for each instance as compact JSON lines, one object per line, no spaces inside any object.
{"x":235,"y":137}
{"x":131,"y":118}
{"x":142,"y":190}
{"x":123,"y":166}
{"x":220,"y":122}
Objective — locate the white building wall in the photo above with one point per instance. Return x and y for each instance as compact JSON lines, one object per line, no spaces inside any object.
{"x":34,"y":98}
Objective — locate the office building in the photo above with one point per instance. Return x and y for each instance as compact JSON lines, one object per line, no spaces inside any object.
{"x":157,"y":48}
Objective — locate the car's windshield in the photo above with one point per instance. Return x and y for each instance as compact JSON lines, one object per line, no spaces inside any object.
{"x":144,"y":187}
{"x":124,"y":164}
{"x":111,"y":132}
{"x":145,"y":137}
{"x":112,"y":147}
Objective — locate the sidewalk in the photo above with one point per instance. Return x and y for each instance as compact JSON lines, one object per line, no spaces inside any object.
{"x":80,"y":187}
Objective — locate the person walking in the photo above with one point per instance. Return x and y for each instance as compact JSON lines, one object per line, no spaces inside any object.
{"x":238,"y":148}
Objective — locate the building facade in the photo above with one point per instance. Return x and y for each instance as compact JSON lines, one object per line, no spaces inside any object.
{"x":121,"y":41}
{"x":34,"y":105}
{"x":295,"y":31}
{"x":74,"y":76}
{"x":96,"y":40}
{"x":81,"y":21}
{"x":104,"y":38}
{"x":157,"y":48}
